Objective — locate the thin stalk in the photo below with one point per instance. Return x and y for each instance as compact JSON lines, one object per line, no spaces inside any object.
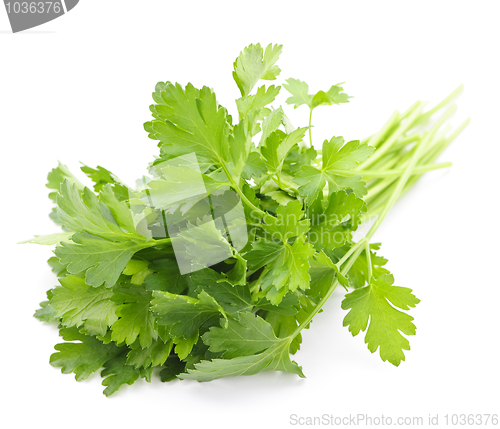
{"x":404,"y":142}
{"x":434,"y":152}
{"x":406,"y":175}
{"x":441,"y":104}
{"x":243,"y":197}
{"x":255,"y":286}
{"x":419,"y":148}
{"x":310,"y":122}
{"x":346,"y":256}
{"x":368,"y":260}
{"x":409,"y":139}
{"x":442,"y":147}
{"x":391,"y":172}
{"x":430,"y":156}
{"x":360,"y":245}
{"x":381,"y":186}
{"x":347,"y":267}
{"x":402,"y":128}
{"x":374,"y":140}
{"x":389,"y":160}
{"x":162,"y":241}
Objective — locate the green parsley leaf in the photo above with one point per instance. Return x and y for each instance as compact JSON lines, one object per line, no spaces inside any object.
{"x":57,"y":176}
{"x":287,"y":266}
{"x":247,"y":336}
{"x":271,"y":123}
{"x":135,"y":318}
{"x":275,"y":358}
{"x":101,"y":177}
{"x":104,"y":260}
{"x":166,"y":277}
{"x":332,"y":226}
{"x":83,"y":211}
{"x":232,"y":298}
{"x":81,"y":305}
{"x":46,"y":313}
{"x":287,"y":326}
{"x":183,"y":346}
{"x":189,"y":120}
{"x":49,"y":239}
{"x":289,"y":222}
{"x":154,"y":355}
{"x":172,"y":368}
{"x":373,"y":303}
{"x":337,"y":158}
{"x":288,"y":305}
{"x":255,"y":166}
{"x":108,"y":238}
{"x":258,"y":101}
{"x":254,"y":64}
{"x":82,"y":358}
{"x":358,"y":273}
{"x":323,"y":272}
{"x":185,"y":315}
{"x":116,"y":373}
{"x":277,"y":146}
{"x":301,"y":96}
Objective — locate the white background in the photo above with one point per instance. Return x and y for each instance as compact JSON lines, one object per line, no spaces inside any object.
{"x":78,"y":89}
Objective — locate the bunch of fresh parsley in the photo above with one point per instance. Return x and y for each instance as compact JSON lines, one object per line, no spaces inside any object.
{"x":219,"y":259}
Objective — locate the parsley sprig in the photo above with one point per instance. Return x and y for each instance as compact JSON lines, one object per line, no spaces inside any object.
{"x":135,"y":292}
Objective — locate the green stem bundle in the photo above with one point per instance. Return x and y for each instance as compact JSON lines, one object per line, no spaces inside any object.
{"x":407,"y":166}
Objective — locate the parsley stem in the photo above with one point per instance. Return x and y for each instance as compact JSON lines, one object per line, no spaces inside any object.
{"x":363,"y":244}
{"x":243,"y":197}
{"x":432,"y":155}
{"x":383,"y":185}
{"x":376,"y":199}
{"x":375,"y":139}
{"x":277,"y":180}
{"x":163,"y":241}
{"x":255,"y":286}
{"x":392,"y":172}
{"x":310,"y":133}
{"x":358,"y":249}
{"x":400,"y":130}
{"x":368,"y":260}
{"x":441,"y":104}
{"x":404,"y":142}
{"x":406,"y":175}
{"x":349,"y":253}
